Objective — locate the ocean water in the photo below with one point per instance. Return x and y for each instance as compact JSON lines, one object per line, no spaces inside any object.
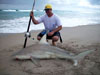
{"x":16,"y":21}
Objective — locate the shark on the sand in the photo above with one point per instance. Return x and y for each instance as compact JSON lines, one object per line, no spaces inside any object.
{"x":43,"y":50}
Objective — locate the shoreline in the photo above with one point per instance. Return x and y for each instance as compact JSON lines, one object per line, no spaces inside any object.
{"x":42,"y":29}
{"x":81,"y":34}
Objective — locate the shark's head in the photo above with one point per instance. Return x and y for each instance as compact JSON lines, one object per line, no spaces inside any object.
{"x":22,"y":57}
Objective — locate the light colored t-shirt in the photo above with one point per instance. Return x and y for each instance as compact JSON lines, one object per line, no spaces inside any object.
{"x":50,"y":23}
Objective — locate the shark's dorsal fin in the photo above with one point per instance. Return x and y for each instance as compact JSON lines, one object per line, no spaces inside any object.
{"x":43,"y":40}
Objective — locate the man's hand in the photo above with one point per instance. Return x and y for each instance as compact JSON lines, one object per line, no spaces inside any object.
{"x":33,"y":19}
{"x":50,"y":33}
{"x":31,"y":13}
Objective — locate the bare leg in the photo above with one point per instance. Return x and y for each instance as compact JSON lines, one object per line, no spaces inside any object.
{"x":38,"y":38}
{"x":53,"y":43}
{"x":54,"y":40}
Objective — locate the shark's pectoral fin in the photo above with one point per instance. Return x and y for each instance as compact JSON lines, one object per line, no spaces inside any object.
{"x":35,"y":61}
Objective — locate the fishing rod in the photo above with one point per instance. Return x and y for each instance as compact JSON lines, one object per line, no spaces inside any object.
{"x":27,"y":33}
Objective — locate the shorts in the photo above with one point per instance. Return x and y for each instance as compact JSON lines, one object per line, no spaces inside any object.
{"x":42,"y":33}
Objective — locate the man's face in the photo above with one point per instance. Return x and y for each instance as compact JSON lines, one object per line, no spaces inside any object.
{"x":48,"y":11}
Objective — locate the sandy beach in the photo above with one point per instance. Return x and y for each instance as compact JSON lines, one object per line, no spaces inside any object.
{"x":75,"y":40}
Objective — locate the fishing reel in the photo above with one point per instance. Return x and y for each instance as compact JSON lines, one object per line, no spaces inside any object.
{"x":28,"y":34}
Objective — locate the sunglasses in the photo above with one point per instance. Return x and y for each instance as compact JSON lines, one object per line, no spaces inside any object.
{"x":46,"y":9}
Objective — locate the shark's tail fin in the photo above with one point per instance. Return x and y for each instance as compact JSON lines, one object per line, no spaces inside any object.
{"x":81,"y":56}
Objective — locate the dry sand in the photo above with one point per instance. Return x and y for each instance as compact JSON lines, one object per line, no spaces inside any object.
{"x":75,"y":40}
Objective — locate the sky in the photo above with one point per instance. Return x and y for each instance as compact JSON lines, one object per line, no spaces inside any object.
{"x":57,"y":4}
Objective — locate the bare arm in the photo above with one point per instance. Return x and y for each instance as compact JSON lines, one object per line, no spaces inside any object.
{"x":33,"y":19}
{"x":55,"y":30}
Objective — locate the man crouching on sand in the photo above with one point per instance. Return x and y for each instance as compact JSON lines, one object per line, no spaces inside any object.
{"x":51,"y":22}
